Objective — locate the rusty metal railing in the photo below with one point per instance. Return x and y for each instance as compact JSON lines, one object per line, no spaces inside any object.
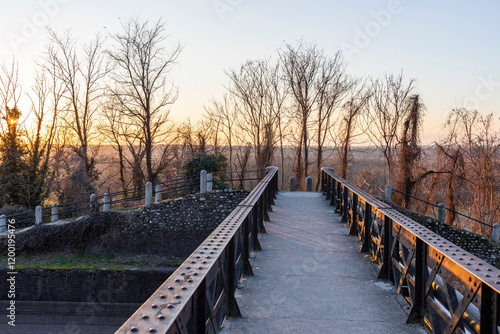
{"x":449,"y":290}
{"x":199,"y":295}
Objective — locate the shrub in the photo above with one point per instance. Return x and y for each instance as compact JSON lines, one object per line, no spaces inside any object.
{"x":212,"y":164}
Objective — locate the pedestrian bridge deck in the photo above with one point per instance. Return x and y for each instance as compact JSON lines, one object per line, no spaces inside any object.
{"x":311,"y":278}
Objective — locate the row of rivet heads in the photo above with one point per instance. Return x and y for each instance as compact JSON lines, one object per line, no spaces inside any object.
{"x":184,"y":281}
{"x":437,"y":241}
{"x":228,"y":227}
{"x":450,"y":250}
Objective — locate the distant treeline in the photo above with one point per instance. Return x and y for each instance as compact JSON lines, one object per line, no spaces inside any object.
{"x":298,"y":109}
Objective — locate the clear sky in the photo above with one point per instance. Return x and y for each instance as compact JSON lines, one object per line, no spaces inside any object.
{"x":451,"y":48}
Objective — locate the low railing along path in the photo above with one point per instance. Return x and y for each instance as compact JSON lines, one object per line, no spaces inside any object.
{"x":311,"y":278}
{"x":312,"y":274}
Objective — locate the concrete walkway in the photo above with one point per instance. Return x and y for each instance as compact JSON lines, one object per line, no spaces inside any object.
{"x":310,"y":278}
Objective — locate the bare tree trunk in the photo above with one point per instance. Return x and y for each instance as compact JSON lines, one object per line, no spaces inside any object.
{"x":141,"y":68}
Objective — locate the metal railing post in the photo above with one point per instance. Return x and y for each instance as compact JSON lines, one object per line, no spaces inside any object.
{"x":417,"y":311}
{"x":489,"y":313}
{"x":94,"y":206}
{"x":386,"y":269}
{"x":210,"y":183}
{"x":233,"y":309}
{"x":149,"y":194}
{"x":3,"y":223}
{"x":365,"y":232}
{"x":441,"y":212}
{"x":337,"y":198}
{"x":388,"y":193}
{"x":328,"y":187}
{"x":106,"y":202}
{"x":309,"y":183}
{"x":323,"y":185}
{"x":158,"y":193}
{"x":199,"y":308}
{"x":54,"y":212}
{"x":38,"y":215}
{"x":293,"y":183}
{"x":203,"y":181}
{"x":255,"y":226}
{"x":276,"y":185}
{"x":495,"y":235}
{"x":345,"y":205}
{"x":354,"y":219}
{"x":247,"y":267}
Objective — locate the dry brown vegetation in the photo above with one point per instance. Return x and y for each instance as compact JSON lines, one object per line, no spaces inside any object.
{"x":102,"y":123}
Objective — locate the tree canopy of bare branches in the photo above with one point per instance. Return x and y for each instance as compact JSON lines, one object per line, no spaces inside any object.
{"x":81,"y":71}
{"x":142,"y":65}
{"x":388,"y":108}
{"x":254,"y":87}
{"x":347,"y":126}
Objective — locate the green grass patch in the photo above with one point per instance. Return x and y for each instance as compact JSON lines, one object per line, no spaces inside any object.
{"x":91,"y":261}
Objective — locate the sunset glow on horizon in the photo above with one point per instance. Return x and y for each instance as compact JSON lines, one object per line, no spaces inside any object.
{"x":449,"y":47}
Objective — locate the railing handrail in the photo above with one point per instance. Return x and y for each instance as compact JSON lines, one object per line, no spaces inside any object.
{"x":185,"y":291}
{"x":422,"y":231}
{"x":430,"y":259}
{"x":129,"y":195}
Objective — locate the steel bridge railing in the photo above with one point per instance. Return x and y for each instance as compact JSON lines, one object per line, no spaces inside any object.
{"x":449,"y":290}
{"x":199,"y":295}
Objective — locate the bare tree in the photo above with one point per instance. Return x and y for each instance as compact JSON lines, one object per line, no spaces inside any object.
{"x":10,"y":90}
{"x":278,"y":96}
{"x":389,"y":108}
{"x":116,"y":132}
{"x":473,"y":137}
{"x":347,"y":125}
{"x":242,"y":156}
{"x":332,"y":86}
{"x":223,"y":115}
{"x":45,"y":107}
{"x":142,"y":66}
{"x":409,"y":150}
{"x":317,"y":84}
{"x":81,"y":71}
{"x":258,"y":113}
{"x":301,"y":67}
{"x":451,"y":163}
{"x":192,"y":138}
